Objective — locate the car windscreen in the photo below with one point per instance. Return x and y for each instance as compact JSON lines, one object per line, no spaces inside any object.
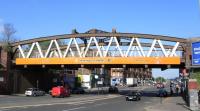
{"x":29,"y":89}
{"x":131,"y":93}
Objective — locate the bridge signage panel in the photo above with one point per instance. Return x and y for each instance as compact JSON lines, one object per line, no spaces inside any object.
{"x":98,"y":60}
{"x":196,"y":53}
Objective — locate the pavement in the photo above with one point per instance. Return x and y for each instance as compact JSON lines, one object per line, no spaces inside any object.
{"x":169,"y":104}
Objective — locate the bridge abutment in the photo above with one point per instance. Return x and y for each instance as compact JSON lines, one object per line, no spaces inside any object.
{"x":32,"y":77}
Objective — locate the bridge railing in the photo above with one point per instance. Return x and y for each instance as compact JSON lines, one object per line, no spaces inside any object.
{"x":110,"y":53}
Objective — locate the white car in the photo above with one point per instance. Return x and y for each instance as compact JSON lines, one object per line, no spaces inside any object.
{"x":34,"y":92}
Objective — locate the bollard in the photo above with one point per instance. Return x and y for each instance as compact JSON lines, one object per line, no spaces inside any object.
{"x":193,"y":95}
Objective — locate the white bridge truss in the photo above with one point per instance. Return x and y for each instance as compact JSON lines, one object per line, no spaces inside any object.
{"x":112,"y":47}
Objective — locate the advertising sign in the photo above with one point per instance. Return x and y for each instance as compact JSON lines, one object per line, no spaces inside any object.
{"x":196,"y":53}
{"x":98,"y":60}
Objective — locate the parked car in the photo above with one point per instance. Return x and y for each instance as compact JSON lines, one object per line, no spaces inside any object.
{"x":50,"y":91}
{"x":113,"y":89}
{"x":34,"y":92}
{"x":60,"y":91}
{"x":78,"y":90}
{"x":135,"y":95}
{"x":162,"y":93}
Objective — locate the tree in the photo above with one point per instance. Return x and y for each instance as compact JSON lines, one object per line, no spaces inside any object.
{"x":8,"y":36}
{"x":153,"y":79}
{"x":196,"y":75}
{"x":160,"y":79}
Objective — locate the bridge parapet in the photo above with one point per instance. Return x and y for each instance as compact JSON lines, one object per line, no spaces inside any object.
{"x":101,"y":46}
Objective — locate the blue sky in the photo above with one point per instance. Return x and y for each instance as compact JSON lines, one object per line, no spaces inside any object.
{"x":36,"y":18}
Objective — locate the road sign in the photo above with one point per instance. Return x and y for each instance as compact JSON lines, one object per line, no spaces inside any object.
{"x":100,"y":82}
{"x":196,"y":53}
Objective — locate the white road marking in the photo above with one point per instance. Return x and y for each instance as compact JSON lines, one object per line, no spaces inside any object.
{"x":72,"y":103}
{"x":74,"y":109}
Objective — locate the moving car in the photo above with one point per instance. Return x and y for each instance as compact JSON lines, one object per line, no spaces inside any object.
{"x":78,"y":90}
{"x":133,"y":96}
{"x":34,"y":92}
{"x":113,"y":89}
{"x":60,"y":91}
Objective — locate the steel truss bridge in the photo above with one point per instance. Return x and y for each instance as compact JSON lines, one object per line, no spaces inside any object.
{"x":101,"y":49}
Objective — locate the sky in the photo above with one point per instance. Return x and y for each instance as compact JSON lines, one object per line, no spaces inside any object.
{"x":37,"y":18}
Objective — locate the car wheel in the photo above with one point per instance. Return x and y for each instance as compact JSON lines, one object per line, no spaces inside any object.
{"x":61,"y":96}
{"x":34,"y":95}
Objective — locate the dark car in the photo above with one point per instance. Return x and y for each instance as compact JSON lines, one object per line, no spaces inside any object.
{"x":113,"y":89}
{"x":162,"y":93}
{"x":133,"y":96}
{"x":78,"y":90}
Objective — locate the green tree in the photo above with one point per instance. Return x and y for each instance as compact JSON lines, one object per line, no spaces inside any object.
{"x":196,"y":75}
{"x":160,"y":79}
{"x":153,"y":79}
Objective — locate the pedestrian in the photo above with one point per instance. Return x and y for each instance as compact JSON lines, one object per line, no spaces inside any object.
{"x":171,"y":91}
{"x":177,"y":89}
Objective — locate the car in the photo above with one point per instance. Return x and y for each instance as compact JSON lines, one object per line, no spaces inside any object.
{"x":34,"y":92}
{"x":78,"y":90}
{"x":50,"y":91}
{"x":60,"y":91}
{"x":113,"y":89}
{"x":133,"y":96}
{"x":162,"y":93}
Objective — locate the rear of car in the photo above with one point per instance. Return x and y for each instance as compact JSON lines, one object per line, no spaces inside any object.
{"x":29,"y":92}
{"x":60,"y":91}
